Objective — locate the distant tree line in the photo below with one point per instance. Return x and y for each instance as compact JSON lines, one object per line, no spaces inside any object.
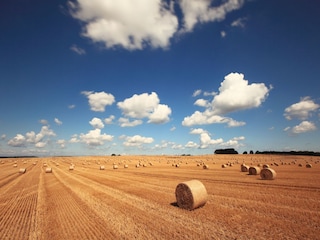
{"x":233,"y":151}
{"x":226,"y":151}
{"x":307,"y":153}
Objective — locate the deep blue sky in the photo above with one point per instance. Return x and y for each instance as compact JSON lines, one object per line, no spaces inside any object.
{"x":158,"y":77}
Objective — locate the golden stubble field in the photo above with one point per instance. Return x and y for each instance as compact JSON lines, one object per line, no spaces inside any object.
{"x":139,"y":202}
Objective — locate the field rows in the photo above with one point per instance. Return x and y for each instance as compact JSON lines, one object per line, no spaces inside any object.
{"x":139,"y":202}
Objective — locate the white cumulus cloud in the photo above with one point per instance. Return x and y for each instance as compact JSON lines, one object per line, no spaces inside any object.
{"x":137,"y":141}
{"x":18,"y":141}
{"x":99,"y":100}
{"x":95,"y":138}
{"x":126,"y":23}
{"x":145,"y":106}
{"x":235,"y":94}
{"x":201,"y":11}
{"x":125,"y":122}
{"x":304,"y":126}
{"x":301,"y":110}
{"x":96,"y":123}
{"x":109,"y":120}
{"x":137,"y":24}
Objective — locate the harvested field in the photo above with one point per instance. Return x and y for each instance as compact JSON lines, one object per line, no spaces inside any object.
{"x":140,"y":203}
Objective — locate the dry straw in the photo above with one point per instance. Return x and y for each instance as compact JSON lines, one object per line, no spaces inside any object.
{"x":265,"y":166}
{"x":22,"y":170}
{"x":48,"y":170}
{"x":268,"y":174}
{"x":191,"y":194}
{"x":254,"y":170}
{"x":244,"y":168}
{"x":308,"y":165}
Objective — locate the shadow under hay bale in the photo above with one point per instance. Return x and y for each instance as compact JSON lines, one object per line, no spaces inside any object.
{"x":254,"y":170}
{"x":268,"y":174}
{"x":191,"y":194}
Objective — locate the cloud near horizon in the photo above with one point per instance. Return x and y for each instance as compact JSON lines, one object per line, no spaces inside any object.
{"x":38,"y":140}
{"x":134,"y":25}
{"x":302,"y":110}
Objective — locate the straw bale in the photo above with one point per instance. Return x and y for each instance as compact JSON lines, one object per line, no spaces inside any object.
{"x":254,"y":170}
{"x":244,"y":168}
{"x":48,"y":170}
{"x":268,"y":174}
{"x":308,"y":165}
{"x":191,"y":194}
{"x":102,"y":167}
{"x":22,"y":170}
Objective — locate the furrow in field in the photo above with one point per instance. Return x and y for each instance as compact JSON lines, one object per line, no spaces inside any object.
{"x":67,"y":216}
{"x":18,"y":209}
{"x":133,"y":213}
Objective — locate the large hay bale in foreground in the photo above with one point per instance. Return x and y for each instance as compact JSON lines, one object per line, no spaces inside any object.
{"x":268,"y":174}
{"x":48,"y":170}
{"x":254,"y":170}
{"x":22,"y":170}
{"x":191,"y":194}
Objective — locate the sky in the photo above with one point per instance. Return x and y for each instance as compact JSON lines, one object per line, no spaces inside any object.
{"x":102,"y":77}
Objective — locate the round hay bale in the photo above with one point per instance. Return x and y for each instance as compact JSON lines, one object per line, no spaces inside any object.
{"x":254,"y":170}
{"x":22,"y":170}
{"x":125,"y":166}
{"x":115,"y":166}
{"x":205,"y":166}
{"x":71,"y":167}
{"x":308,"y":165}
{"x":48,"y":170}
{"x":268,"y":174}
{"x":15,"y":165}
{"x":244,"y":168}
{"x":102,"y":167}
{"x":191,"y":194}
{"x":265,"y":166}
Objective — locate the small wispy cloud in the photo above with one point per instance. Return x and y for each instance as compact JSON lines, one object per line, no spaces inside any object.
{"x":57,"y":121}
{"x":78,"y":50}
{"x":240,"y":22}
